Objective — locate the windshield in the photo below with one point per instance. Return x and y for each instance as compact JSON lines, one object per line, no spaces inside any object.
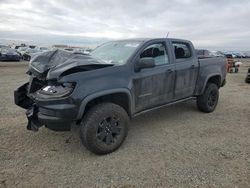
{"x":116,"y":52}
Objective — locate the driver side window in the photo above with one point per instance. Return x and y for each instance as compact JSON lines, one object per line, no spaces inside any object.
{"x":157,"y":52}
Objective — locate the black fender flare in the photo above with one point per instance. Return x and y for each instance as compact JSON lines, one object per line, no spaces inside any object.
{"x":206,"y":81}
{"x":87,"y":99}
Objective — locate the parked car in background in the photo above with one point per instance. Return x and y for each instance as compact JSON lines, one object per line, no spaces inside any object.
{"x":3,"y":46}
{"x":22,"y":50}
{"x":85,"y":51}
{"x":217,"y":53}
{"x":29,"y":53}
{"x":9,"y":54}
{"x":32,"y":46}
{"x":239,"y":55}
{"x":88,"y":51}
{"x":69,"y":49}
{"x":17,"y":46}
{"x":42,"y":49}
{"x":231,"y":66}
{"x":247,"y":54}
{"x":202,"y":53}
{"x":236,"y":54}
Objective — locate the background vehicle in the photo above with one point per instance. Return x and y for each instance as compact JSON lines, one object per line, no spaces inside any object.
{"x":217,"y":54}
{"x":42,"y":49}
{"x":87,"y":51}
{"x":239,"y":55}
{"x":27,"y":55}
{"x":202,"y":53}
{"x":117,"y":81}
{"x":247,"y":54}
{"x":248,"y":76}
{"x":231,"y":66}
{"x":9,"y":54}
{"x":69,"y":49}
{"x":32,"y":46}
{"x":17,"y":46}
{"x":3,"y":46}
{"x":22,"y":50}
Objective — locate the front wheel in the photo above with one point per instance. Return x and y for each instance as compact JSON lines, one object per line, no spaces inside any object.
{"x":207,"y":102}
{"x":104,"y":128}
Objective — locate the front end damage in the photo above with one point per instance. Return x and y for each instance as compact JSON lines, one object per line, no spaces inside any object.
{"x":48,"y":100}
{"x":22,"y":100}
{"x":56,"y":114}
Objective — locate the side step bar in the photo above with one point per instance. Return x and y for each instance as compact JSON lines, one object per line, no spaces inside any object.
{"x":164,"y":105}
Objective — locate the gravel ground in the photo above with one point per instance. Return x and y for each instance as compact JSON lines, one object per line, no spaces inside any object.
{"x":172,"y":147}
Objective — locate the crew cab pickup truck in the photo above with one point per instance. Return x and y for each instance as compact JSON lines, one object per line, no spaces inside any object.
{"x":117,"y":81}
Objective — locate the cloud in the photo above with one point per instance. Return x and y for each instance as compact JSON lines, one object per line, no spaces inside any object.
{"x":215,"y":24}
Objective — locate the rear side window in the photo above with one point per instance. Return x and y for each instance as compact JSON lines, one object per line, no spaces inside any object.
{"x":181,"y":50}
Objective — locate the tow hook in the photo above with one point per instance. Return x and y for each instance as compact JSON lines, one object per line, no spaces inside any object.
{"x":33,"y":123}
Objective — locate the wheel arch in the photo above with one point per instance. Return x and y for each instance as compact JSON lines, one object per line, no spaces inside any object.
{"x":120,"y":96}
{"x":214,"y":78}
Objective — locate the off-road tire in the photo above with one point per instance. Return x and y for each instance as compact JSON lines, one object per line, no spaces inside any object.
{"x":96,"y":119}
{"x":207,"y":102}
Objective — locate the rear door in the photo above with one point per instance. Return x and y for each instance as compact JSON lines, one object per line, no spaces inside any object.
{"x":186,"y":69}
{"x":154,"y":86}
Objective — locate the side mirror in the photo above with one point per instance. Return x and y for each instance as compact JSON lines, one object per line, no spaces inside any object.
{"x":143,"y":63}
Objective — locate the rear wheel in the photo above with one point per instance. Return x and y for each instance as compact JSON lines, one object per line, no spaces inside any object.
{"x":207,"y":102}
{"x":104,"y":128}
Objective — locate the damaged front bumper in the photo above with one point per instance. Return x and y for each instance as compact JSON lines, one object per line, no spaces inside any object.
{"x":33,"y":123}
{"x":56,"y":114}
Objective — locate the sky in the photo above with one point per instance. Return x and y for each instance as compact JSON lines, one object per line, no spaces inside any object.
{"x":211,"y":24}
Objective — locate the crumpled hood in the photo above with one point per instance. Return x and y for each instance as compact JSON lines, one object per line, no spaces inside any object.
{"x":52,"y":64}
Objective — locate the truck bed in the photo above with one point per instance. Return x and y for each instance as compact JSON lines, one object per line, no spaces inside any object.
{"x":208,"y":67}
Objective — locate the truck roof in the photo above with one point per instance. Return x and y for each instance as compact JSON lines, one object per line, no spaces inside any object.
{"x":149,"y":39}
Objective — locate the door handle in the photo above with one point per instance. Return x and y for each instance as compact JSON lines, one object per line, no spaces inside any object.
{"x":169,"y":70}
{"x":192,"y":66}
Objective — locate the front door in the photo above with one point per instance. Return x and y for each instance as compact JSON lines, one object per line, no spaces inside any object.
{"x":154,"y":86}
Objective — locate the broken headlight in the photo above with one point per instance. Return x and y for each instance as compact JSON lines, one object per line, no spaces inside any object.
{"x":53,"y":91}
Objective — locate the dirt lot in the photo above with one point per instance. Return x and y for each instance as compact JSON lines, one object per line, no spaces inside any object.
{"x":173,"y":147}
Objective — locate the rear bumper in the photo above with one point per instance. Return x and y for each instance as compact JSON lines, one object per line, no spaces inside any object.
{"x":55,"y":115}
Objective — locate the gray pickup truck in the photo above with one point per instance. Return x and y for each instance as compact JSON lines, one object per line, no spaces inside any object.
{"x":117,"y":81}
